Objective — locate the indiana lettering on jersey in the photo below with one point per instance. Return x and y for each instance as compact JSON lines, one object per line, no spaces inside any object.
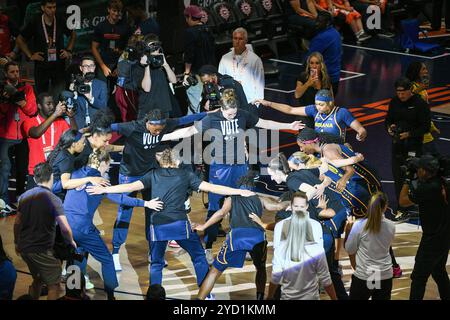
{"x":324,"y":125}
{"x":149,"y":140}
{"x":230,"y":128}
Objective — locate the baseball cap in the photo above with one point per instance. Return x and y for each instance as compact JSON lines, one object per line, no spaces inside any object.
{"x":193,"y":11}
{"x":427,"y":162}
{"x":207,"y":69}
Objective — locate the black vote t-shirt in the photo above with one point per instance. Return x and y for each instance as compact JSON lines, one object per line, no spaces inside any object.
{"x":83,"y":157}
{"x":231,"y":131}
{"x":35,"y":32}
{"x":64,"y":163}
{"x":111,"y":36}
{"x":311,"y":177}
{"x":241,"y":207}
{"x":159,"y":95}
{"x":170,"y":185}
{"x":139,"y":151}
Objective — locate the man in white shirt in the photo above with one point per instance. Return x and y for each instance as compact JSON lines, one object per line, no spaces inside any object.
{"x":244,"y":66}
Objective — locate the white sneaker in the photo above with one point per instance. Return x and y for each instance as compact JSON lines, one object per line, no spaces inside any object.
{"x":173,"y":244}
{"x":210,"y":296}
{"x":248,"y":257}
{"x":89,"y":285}
{"x":116,"y":258}
{"x":209,"y":256}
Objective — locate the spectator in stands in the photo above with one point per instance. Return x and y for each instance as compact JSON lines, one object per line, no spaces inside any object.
{"x":328,"y":42}
{"x":45,"y":35}
{"x":126,"y":96}
{"x":417,"y":73}
{"x":110,"y":39}
{"x":8,"y":275}
{"x":34,"y":232}
{"x":244,"y":66}
{"x":365,"y":6}
{"x":437,"y":15}
{"x":88,"y":104}
{"x":151,"y":78}
{"x":8,"y":31}
{"x":18,"y":103}
{"x":298,"y":14}
{"x":44,"y":130}
{"x":198,"y":51}
{"x":352,"y":17}
{"x":368,"y":242}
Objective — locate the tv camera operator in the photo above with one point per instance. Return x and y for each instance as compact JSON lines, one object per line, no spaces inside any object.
{"x":426,"y":184}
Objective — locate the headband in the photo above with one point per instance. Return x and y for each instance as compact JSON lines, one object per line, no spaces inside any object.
{"x":157,"y":122}
{"x":323,"y":98}
{"x":316,"y":140}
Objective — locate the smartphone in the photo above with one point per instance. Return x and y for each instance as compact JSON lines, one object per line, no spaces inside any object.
{"x":313,"y":73}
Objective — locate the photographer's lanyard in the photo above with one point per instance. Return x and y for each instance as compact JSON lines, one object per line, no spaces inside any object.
{"x":47,"y":149}
{"x":51,"y":48}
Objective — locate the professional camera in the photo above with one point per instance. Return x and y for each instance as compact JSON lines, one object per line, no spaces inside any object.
{"x":212,"y":94}
{"x":191,"y":81}
{"x":10,"y":93}
{"x":67,"y":97}
{"x":79,"y":82}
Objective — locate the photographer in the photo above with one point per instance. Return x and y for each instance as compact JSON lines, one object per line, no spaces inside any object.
{"x":91,"y":94}
{"x":213,"y":85}
{"x":151,"y":77}
{"x":44,"y":130}
{"x":198,"y":51}
{"x":407,"y":120}
{"x":430,"y":191}
{"x":17,"y":103}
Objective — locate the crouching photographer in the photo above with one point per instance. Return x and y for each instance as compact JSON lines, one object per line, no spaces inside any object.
{"x":213,"y":85}
{"x":426,"y":185}
{"x":90,"y":94}
{"x":408,"y":119}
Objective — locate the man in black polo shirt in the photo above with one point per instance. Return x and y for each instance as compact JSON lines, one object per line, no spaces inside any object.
{"x":45,"y":34}
{"x":109,"y":40}
{"x":407,"y":120}
{"x":431,"y":194}
{"x":34,"y":232}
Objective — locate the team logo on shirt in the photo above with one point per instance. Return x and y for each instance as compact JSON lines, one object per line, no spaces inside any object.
{"x":224,"y":13}
{"x":230,"y":129}
{"x":246,"y":8}
{"x":267,"y":4}
{"x":149,"y":140}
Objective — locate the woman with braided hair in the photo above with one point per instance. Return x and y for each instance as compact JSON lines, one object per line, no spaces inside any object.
{"x":80,"y":207}
{"x":62,"y":160}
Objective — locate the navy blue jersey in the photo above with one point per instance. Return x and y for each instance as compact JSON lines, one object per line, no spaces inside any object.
{"x":231,"y":131}
{"x":64,"y":162}
{"x":80,"y":207}
{"x":171,"y":186}
{"x":241,"y":207}
{"x":335,"y":123}
{"x":311,"y":177}
{"x":140,"y":146}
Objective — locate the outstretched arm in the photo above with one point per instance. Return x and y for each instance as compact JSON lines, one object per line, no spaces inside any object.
{"x":120,"y":188}
{"x":225,"y":191}
{"x":216,"y":217}
{"x":297,"y":111}
{"x":180,"y":134}
{"x":274,"y":125}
